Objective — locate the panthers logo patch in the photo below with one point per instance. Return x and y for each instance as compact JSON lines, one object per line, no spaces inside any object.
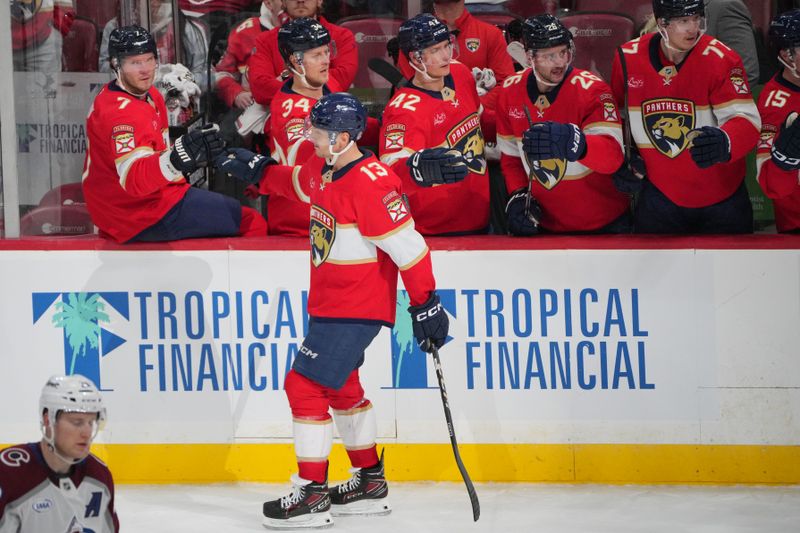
{"x":667,"y":121}
{"x":549,"y":172}
{"x":322,"y":233}
{"x":473,"y":44}
{"x":467,"y":138}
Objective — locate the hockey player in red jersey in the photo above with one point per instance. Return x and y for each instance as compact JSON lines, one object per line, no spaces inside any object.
{"x":693,"y":120}
{"x":778,"y":156}
{"x":57,"y":484}
{"x":133,"y":181}
{"x":230,"y":73}
{"x":304,"y":44}
{"x":362,"y":234}
{"x":560,"y":138}
{"x":266,"y":66}
{"x":431,"y":135}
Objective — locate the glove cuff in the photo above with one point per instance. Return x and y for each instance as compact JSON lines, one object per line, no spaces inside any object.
{"x":168,"y":169}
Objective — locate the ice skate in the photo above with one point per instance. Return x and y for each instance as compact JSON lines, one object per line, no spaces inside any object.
{"x":307,"y":507}
{"x":364,"y":494}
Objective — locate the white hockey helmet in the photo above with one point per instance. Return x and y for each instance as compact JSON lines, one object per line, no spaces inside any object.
{"x":74,"y":394}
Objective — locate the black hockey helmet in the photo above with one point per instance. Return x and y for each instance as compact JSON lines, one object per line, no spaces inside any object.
{"x":544,"y":31}
{"x":129,"y":41}
{"x":339,"y":112}
{"x":421,"y":32}
{"x":670,"y":9}
{"x":301,"y":34}
{"x":784,"y":30}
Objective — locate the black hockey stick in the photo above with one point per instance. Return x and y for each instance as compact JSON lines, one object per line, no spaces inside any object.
{"x":473,"y":496}
{"x":387,"y":71}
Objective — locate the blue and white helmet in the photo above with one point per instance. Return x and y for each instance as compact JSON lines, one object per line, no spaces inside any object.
{"x":339,"y":112}
{"x":421,"y":32}
{"x":72,"y":394}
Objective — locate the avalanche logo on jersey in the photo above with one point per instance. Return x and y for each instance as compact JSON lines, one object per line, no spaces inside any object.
{"x":667,"y":121}
{"x":473,"y":44}
{"x":322,"y":232}
{"x":467,"y":138}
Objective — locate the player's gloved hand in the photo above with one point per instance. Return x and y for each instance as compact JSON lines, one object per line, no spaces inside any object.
{"x":436,"y":166}
{"x":178,"y":82}
{"x":629,"y":179}
{"x":709,"y":146}
{"x":243,"y":164}
{"x":430,"y":323}
{"x":554,"y":140}
{"x":786,"y":146}
{"x":485,"y":80}
{"x":523,"y":214}
{"x":197,"y":148}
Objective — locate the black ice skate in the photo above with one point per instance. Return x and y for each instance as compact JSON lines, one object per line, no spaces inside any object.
{"x":307,"y":507}
{"x":365,"y":494}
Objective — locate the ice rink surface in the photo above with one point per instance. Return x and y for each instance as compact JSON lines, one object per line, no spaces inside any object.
{"x":505,"y":508}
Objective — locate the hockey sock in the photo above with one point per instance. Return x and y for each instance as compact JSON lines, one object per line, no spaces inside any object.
{"x":313,"y":427}
{"x":356,"y":422}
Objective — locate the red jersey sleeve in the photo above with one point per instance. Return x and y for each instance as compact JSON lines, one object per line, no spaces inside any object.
{"x":263,"y":70}
{"x":345,"y":65}
{"x":601,"y":126}
{"x":774,"y":104}
{"x":510,"y":161}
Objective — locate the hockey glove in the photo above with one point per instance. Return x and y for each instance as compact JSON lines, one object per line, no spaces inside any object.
{"x":437,"y":166}
{"x":709,"y":146}
{"x":197,"y":148}
{"x":430,"y":323}
{"x":178,"y":82}
{"x":523,"y":213}
{"x":243,"y":164}
{"x":629,"y":179}
{"x":786,"y":146}
{"x":485,"y":80}
{"x":554,"y":140}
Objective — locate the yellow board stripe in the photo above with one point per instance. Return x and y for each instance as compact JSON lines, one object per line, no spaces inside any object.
{"x":564,"y":463}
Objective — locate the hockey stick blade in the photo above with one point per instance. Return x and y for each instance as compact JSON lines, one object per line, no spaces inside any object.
{"x":386,"y":70}
{"x":473,"y":496}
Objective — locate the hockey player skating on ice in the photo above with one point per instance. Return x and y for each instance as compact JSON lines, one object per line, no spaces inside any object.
{"x":560,"y":138}
{"x":431,"y":135}
{"x":57,"y":485}
{"x":361,"y":235}
{"x":779,"y":104}
{"x":693,"y":120}
{"x":134,"y":181}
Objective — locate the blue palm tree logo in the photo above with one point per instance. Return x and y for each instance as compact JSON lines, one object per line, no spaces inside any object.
{"x":82,"y":317}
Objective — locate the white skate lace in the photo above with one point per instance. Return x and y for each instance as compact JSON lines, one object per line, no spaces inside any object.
{"x":352,"y":483}
{"x":293,"y":498}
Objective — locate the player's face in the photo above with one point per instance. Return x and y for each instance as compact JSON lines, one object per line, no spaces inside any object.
{"x":683,"y":32}
{"x":552,"y":63}
{"x":74,"y":434}
{"x":437,"y":59}
{"x":317,"y":62}
{"x":301,"y":8}
{"x":138,"y":72}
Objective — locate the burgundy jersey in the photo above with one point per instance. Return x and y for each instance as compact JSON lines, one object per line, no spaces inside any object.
{"x":32,"y":21}
{"x":666,"y":101}
{"x":266,"y":65}
{"x":230,"y":74}
{"x":128,"y":181}
{"x":574,"y":196}
{"x":288,"y":112}
{"x":778,"y":99}
{"x":36,"y":499}
{"x":416,"y":119}
{"x":361,"y":234}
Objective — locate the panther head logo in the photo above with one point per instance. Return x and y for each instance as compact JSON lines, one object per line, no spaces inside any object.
{"x":549,"y":172}
{"x":322,"y":233}
{"x":667,"y":123}
{"x":467,"y":138}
